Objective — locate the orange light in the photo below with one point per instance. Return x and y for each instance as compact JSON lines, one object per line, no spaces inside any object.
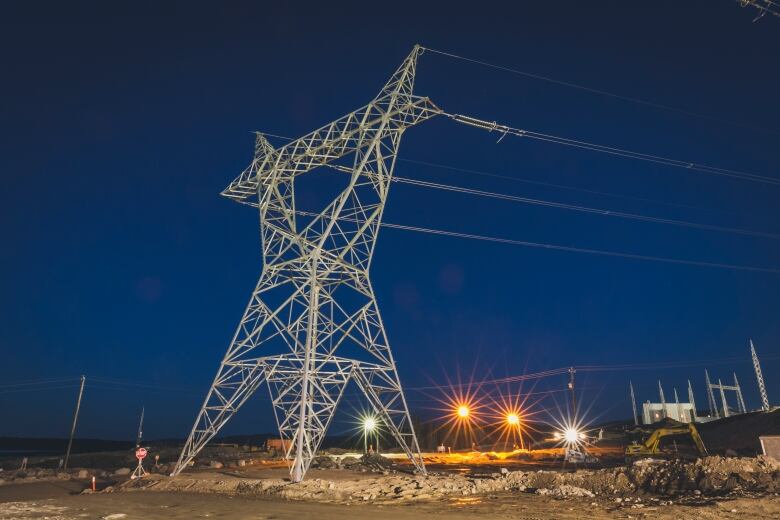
{"x":512,"y":419}
{"x":463,"y":411}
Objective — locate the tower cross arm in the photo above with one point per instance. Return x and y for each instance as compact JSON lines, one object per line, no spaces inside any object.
{"x":333,"y":141}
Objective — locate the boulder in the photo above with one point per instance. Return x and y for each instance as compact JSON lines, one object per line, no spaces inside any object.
{"x":121,"y":472}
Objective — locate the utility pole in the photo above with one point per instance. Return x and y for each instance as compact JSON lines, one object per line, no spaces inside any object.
{"x":663,"y":400}
{"x":692,"y":401}
{"x":140,"y":429}
{"x":75,"y":419}
{"x":759,"y":378}
{"x":633,"y":403}
{"x":573,"y":398}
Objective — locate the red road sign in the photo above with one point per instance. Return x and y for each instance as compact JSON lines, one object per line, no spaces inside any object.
{"x":140,"y":453}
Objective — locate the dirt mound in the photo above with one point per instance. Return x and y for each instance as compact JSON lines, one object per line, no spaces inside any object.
{"x":740,"y":432}
{"x":711,"y":476}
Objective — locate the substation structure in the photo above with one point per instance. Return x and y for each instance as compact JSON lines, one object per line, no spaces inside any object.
{"x":312,"y":324}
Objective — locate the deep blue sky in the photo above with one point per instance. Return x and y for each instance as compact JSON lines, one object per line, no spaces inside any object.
{"x":120,"y":124}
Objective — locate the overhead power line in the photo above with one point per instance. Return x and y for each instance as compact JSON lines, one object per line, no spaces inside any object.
{"x":584,"y":209}
{"x":599,"y":92}
{"x":492,"y":126}
{"x":593,"y":368}
{"x":552,"y":185}
{"x":572,"y":249}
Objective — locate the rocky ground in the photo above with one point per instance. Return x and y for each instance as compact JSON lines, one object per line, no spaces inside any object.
{"x":712,"y":487}
{"x":376,"y":482}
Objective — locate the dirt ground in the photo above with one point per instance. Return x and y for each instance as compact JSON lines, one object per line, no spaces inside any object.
{"x":55,"y":501}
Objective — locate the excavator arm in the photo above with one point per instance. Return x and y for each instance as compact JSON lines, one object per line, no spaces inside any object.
{"x":651,"y":445}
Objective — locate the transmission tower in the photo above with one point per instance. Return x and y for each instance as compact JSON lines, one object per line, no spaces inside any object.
{"x":663,"y":400}
{"x":314,"y":298}
{"x":763,"y":7}
{"x":759,"y":378}
{"x":711,"y":396}
{"x":633,"y":402}
{"x":692,"y":401}
{"x":677,"y":404}
{"x":738,"y":390}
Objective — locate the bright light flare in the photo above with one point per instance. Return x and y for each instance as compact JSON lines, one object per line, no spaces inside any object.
{"x":369,"y":424}
{"x":463,"y":411}
{"x":512,"y":419}
{"x":571,"y":436}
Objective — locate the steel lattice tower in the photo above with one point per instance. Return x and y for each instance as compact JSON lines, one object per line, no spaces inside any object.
{"x":759,"y":378}
{"x":314,"y":298}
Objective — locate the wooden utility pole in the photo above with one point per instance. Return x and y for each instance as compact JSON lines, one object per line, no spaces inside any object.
{"x":75,"y":420}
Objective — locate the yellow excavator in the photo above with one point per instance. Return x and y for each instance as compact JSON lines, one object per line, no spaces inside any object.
{"x":651,"y":447}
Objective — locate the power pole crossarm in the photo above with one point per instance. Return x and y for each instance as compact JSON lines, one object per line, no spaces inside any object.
{"x":332,"y":141}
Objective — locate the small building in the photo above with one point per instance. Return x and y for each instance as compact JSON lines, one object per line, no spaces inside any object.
{"x":770,"y":445}
{"x":654,"y":412}
{"x":280,"y":445}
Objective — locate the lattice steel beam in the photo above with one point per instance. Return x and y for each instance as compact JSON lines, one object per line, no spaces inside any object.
{"x":314,"y":298}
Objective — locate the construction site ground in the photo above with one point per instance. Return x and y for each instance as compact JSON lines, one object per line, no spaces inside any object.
{"x":714,"y":487}
{"x":238,"y":482}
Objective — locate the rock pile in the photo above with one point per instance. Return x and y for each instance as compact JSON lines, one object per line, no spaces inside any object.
{"x":709,"y":476}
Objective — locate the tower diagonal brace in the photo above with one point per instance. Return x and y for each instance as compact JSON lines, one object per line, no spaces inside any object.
{"x":314,"y":298}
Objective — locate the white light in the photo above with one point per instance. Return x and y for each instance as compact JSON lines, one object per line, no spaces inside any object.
{"x":556,"y":436}
{"x":369,"y":423}
{"x":570,"y":435}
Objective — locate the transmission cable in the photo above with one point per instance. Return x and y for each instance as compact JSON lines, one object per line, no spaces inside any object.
{"x":599,"y":91}
{"x":492,"y":126}
{"x":583,"y":209}
{"x":529,"y":181}
{"x":557,"y":247}
{"x":552,"y":185}
{"x":571,"y":207}
{"x":593,"y":368}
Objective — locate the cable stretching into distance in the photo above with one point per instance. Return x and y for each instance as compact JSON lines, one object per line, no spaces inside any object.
{"x":504,"y":130}
{"x":553,"y":185}
{"x":492,"y":126}
{"x":560,"y":205}
{"x":572,"y":207}
{"x":591,"y":368}
{"x":571,"y":249}
{"x":584,"y":209}
{"x":528,"y":181}
{"x":598,"y":91}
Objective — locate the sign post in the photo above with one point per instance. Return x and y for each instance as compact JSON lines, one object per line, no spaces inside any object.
{"x":140,"y":454}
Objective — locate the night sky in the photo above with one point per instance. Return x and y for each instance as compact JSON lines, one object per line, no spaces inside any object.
{"x":121,"y":123}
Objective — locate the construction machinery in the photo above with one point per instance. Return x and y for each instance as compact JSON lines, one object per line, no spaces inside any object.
{"x":651,"y":446}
